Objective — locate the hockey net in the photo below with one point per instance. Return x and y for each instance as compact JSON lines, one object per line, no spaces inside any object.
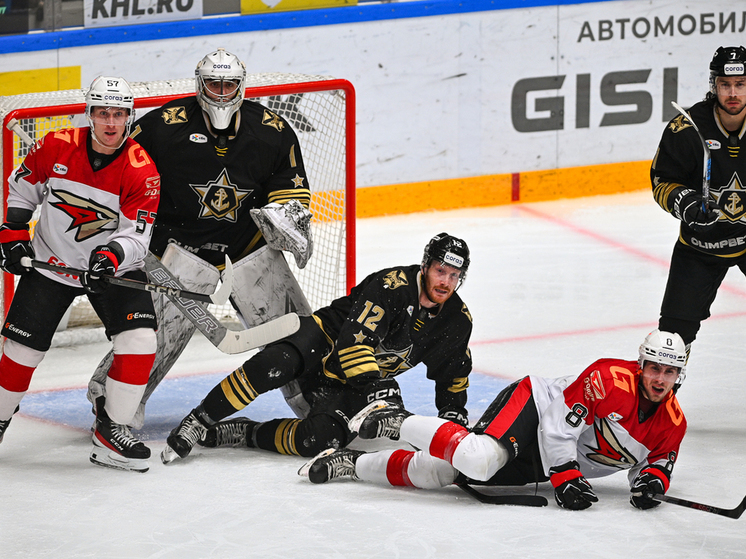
{"x":320,"y":109}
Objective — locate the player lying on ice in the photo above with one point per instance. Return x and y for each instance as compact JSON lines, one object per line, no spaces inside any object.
{"x":345,"y":356}
{"x":616,"y":415}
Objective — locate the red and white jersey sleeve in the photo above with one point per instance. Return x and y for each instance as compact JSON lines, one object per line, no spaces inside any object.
{"x":595,"y":420}
{"x":81,"y":209}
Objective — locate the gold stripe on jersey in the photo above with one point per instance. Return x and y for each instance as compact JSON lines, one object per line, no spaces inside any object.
{"x":285,"y":436}
{"x":459,"y":384}
{"x":661,"y":192}
{"x":238,"y":390}
{"x":303,"y":195}
{"x":293,"y":159}
{"x":358,"y":360}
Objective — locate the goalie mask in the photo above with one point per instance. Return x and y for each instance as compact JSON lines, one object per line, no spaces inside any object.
{"x":449,"y":250}
{"x":727,"y":61}
{"x":112,"y":92}
{"x":666,"y":348}
{"x":219,"y":81}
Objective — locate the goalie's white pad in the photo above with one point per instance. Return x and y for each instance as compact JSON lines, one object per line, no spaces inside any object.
{"x":286,"y":227}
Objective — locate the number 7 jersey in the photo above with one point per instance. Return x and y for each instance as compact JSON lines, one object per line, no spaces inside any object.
{"x":596,"y":420}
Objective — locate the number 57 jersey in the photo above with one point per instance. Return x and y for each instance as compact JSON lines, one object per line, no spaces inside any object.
{"x":597,"y":419}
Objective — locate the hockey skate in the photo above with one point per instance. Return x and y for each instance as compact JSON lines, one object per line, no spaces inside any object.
{"x":183,"y":438}
{"x":114,"y":446}
{"x":379,"y":419}
{"x":331,"y":464}
{"x":4,"y":425}
{"x":234,"y":432}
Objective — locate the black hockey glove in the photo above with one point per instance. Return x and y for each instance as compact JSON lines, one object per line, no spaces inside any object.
{"x":104,"y":261}
{"x":15,"y":243}
{"x":687,"y":206}
{"x":571,"y":490}
{"x":649,"y":481}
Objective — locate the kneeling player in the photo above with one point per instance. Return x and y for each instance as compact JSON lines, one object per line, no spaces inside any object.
{"x":616,"y":415}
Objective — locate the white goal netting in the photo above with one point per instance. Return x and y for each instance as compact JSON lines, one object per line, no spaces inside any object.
{"x":319,"y":108}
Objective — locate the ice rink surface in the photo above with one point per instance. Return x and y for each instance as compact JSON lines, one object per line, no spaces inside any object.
{"x":552,"y":287}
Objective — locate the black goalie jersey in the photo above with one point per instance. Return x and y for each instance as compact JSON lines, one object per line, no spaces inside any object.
{"x":380,"y":332}
{"x":679,"y":161}
{"x":209,"y":183}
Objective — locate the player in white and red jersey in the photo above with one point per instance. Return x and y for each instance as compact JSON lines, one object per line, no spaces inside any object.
{"x":97,"y":191}
{"x":617,"y":415}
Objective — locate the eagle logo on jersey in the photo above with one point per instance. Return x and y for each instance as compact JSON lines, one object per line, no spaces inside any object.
{"x":174,"y":115}
{"x":88,"y":217}
{"x":610,"y":451}
{"x":271,"y":119}
{"x":392,"y":362}
{"x":394,"y":279}
{"x":732,"y":200}
{"x":220,"y":198}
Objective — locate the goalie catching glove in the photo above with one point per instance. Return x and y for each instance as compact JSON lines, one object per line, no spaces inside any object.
{"x":286,"y":227}
{"x":571,"y":490}
{"x":650,"y":480}
{"x":104,"y":261}
{"x":15,"y":243}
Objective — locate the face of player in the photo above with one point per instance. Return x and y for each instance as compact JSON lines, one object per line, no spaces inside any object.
{"x":221,"y":90}
{"x":441,"y":280}
{"x":109,"y":125}
{"x":658,"y":380}
{"x":731,"y":93}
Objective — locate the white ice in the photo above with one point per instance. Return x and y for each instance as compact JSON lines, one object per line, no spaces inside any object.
{"x":552,"y":287}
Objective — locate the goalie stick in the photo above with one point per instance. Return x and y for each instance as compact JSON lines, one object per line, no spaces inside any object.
{"x":706,"y":160}
{"x":227,"y":341}
{"x":730,"y":513}
{"x":519,"y":500}
{"x":220,"y":297}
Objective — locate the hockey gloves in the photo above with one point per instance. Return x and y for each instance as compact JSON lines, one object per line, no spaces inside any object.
{"x":571,"y":490}
{"x":15,"y":243}
{"x":104,"y":261}
{"x":687,"y":206}
{"x":650,"y":480}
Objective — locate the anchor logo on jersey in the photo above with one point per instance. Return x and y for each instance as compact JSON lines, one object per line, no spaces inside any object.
{"x":220,"y":198}
{"x":88,"y":217}
{"x":394,"y":279}
{"x":732,"y":200}
{"x":392,"y":362}
{"x":610,"y":451}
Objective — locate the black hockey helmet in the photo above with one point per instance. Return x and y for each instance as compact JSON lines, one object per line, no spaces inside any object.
{"x":727,"y":61}
{"x":449,"y":250}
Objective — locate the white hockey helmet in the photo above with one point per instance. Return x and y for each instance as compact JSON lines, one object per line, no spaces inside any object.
{"x":108,"y":91}
{"x":666,"y":348}
{"x":224,"y":67}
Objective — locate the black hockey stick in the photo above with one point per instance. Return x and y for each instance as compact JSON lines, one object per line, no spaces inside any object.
{"x":706,"y":161}
{"x":519,"y":500}
{"x":220,"y":297}
{"x":730,"y":513}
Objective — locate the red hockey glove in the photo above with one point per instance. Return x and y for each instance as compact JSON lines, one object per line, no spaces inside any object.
{"x":650,"y":480}
{"x":15,"y":243}
{"x":104,"y":261}
{"x":571,"y":490}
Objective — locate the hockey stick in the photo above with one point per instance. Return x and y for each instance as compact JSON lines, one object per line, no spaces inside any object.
{"x":227,"y":341}
{"x":730,"y":513}
{"x":218,"y":298}
{"x":706,"y":161}
{"x":519,"y":500}
{"x":15,"y":126}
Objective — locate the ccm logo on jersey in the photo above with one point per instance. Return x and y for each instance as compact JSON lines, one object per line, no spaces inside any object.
{"x":198,"y":138}
{"x":59,"y":168}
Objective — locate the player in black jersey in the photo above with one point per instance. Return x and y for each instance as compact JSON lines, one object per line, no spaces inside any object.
{"x":712,"y":238}
{"x":220,"y":156}
{"x":345,"y":356}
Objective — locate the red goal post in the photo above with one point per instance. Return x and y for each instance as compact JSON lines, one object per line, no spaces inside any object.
{"x":320,"y":109}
